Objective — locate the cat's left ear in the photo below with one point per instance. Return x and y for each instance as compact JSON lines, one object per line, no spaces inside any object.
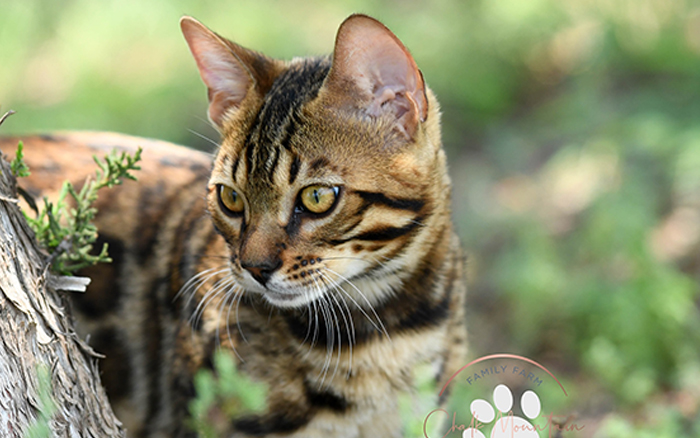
{"x":374,"y":71}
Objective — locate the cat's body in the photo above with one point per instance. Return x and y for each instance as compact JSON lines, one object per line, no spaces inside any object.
{"x":328,"y":258}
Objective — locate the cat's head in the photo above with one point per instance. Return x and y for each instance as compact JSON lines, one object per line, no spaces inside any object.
{"x":330,"y":179}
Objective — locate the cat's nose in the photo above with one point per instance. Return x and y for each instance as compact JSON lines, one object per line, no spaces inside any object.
{"x":262,"y":271}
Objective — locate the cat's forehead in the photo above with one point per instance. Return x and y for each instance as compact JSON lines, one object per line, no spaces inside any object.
{"x":266,"y":139}
{"x":296,"y":85}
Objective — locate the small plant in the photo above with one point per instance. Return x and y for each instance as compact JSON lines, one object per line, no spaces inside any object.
{"x":47,"y":406}
{"x":223,"y":395}
{"x":18,"y":166}
{"x":68,"y":233}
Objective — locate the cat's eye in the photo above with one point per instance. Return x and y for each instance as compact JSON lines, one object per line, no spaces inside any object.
{"x":318,"y":199}
{"x":229,"y":200}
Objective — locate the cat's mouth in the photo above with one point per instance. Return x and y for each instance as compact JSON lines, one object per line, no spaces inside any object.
{"x":280,"y":293}
{"x":294,"y":295}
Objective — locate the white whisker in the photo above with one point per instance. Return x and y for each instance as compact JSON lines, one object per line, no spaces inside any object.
{"x":329,"y":339}
{"x":335,"y":323}
{"x":347,"y":327}
{"x":238,"y":319}
{"x":309,"y":313}
{"x":350,"y":326}
{"x":194,"y":283}
{"x":381,"y":327}
{"x":221,"y":306}
{"x":237,"y":299}
{"x":204,"y":137}
{"x":209,"y":296}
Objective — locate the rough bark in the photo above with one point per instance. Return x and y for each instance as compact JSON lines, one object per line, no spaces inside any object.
{"x":36,"y":333}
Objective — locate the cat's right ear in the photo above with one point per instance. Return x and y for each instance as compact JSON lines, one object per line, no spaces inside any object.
{"x":229,"y":71}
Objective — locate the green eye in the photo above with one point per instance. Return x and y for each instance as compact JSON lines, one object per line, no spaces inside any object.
{"x":318,"y":199}
{"x":229,"y":200}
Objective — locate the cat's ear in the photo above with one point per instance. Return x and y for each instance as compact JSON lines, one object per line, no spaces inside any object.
{"x":375,"y":72}
{"x":229,"y":71}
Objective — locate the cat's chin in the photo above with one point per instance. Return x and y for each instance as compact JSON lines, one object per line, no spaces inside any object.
{"x":290,"y":299}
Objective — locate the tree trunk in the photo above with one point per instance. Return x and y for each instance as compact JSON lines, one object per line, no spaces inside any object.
{"x":48,"y":375}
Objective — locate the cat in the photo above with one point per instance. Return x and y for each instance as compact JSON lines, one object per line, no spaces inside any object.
{"x":317,"y":244}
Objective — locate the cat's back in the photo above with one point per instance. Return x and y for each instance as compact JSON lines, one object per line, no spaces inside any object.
{"x":166,"y":169}
{"x":68,"y":156}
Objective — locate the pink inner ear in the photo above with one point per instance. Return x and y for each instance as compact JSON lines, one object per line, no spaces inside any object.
{"x":223,"y":73}
{"x":391,"y":79}
{"x":370,"y":56}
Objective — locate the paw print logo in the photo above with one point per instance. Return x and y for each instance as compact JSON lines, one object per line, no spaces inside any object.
{"x":507,"y":424}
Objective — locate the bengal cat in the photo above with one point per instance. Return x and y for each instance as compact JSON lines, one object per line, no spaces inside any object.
{"x":318,"y":244}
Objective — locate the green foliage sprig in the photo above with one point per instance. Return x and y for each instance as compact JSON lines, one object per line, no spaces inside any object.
{"x":68,"y":233}
{"x":223,"y":395}
{"x":47,"y":408}
{"x":18,"y":166}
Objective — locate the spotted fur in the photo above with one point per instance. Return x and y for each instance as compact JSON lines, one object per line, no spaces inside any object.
{"x":334,"y":310}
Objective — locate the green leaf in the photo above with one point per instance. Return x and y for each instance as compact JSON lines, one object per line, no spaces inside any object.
{"x":18,"y":166}
{"x":58,"y":223}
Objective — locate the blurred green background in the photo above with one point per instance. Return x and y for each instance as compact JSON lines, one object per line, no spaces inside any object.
{"x":573,"y":131}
